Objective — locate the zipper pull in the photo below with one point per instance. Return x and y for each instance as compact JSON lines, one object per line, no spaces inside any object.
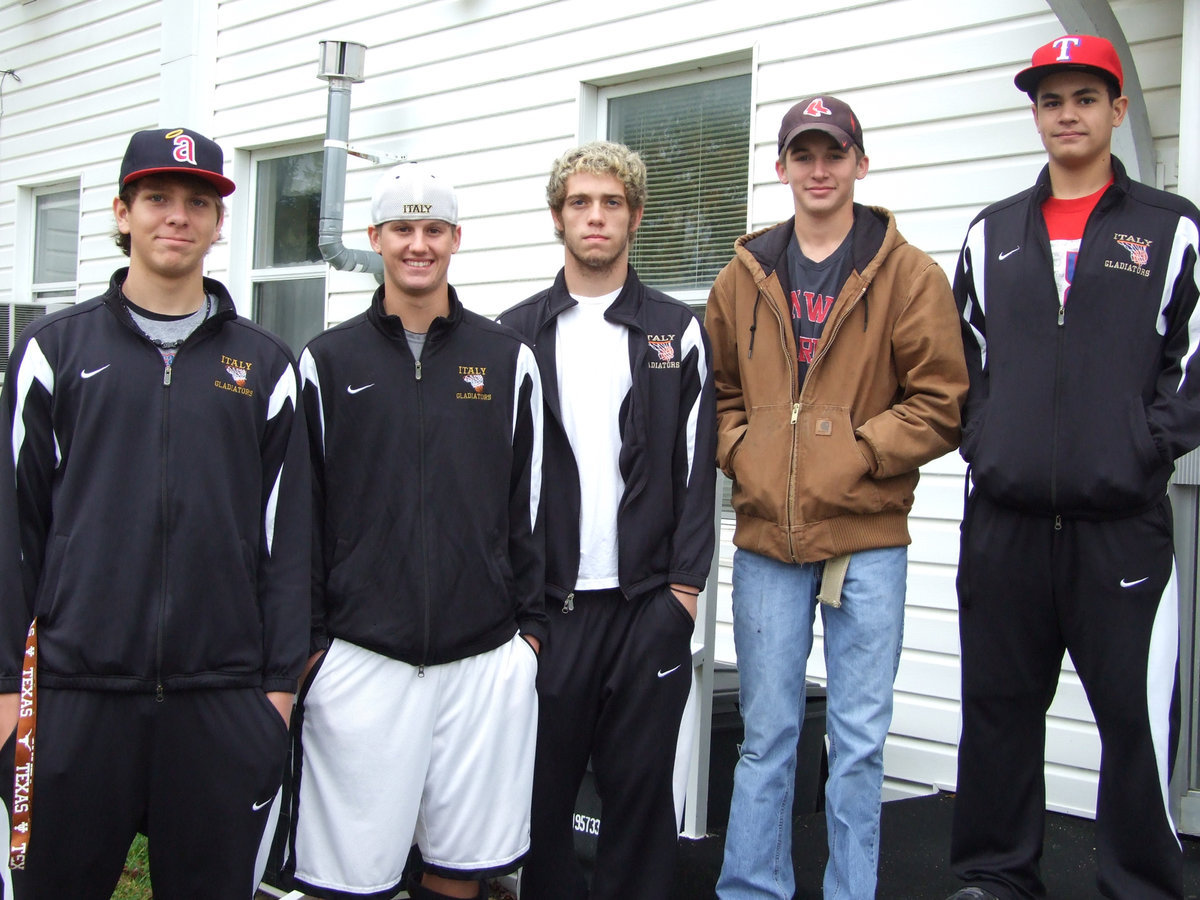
{"x":569,"y":603}
{"x":1058,"y":523}
{"x":167,"y":376}
{"x":1062,"y":312}
{"x":418,"y":370}
{"x":421,"y":670}
{"x":158,"y":694}
{"x":795,"y":412}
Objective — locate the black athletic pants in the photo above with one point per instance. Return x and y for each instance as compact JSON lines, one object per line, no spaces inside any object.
{"x":197,"y":772}
{"x":613,"y":680}
{"x":1030,"y":587}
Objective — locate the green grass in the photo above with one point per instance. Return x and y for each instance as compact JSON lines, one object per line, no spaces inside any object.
{"x":135,"y":881}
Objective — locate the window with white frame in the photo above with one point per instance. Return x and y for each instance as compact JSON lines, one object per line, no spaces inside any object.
{"x":55,"y":242}
{"x":287,"y":272}
{"x":693,"y":132}
{"x":53,"y":248}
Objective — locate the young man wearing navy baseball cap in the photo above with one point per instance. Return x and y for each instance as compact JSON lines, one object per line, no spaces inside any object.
{"x":839,"y":372}
{"x":418,"y":722}
{"x":1078,"y":300}
{"x":155,"y":539}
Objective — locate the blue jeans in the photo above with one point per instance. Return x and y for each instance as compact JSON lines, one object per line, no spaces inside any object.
{"x":774,"y":606}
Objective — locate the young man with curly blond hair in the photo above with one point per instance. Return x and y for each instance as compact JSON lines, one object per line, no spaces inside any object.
{"x":629,"y":534}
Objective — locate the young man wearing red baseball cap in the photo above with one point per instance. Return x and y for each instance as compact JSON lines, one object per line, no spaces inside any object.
{"x":154,"y":549}
{"x":1078,"y":301}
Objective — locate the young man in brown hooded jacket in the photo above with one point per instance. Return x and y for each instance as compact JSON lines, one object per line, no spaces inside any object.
{"x":839,"y":371}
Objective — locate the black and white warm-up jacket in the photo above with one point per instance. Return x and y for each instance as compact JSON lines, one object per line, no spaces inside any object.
{"x":427,"y":486}
{"x":665,"y":525}
{"x":1081,"y":410}
{"x":162,"y":513}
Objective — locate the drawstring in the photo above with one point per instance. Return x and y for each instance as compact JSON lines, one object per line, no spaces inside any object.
{"x":753,"y":325}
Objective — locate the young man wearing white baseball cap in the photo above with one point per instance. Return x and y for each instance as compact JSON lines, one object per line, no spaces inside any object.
{"x":155,"y":587}
{"x":1078,"y":301}
{"x":417,"y":720}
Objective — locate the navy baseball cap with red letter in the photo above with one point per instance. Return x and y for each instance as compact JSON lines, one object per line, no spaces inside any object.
{"x":824,"y":113}
{"x":177,"y":151}
{"x":1072,"y":52}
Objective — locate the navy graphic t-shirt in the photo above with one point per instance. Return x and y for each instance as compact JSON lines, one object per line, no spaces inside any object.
{"x":814,"y":287}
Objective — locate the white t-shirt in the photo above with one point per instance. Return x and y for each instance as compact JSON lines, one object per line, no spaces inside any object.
{"x":594,"y":377}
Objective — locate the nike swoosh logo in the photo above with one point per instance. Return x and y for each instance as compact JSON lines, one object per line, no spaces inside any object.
{"x":1129,"y":584}
{"x":255,"y":807}
{"x":357,"y":390}
{"x":84,"y":373}
{"x":1004,"y":256}
{"x":662,"y":674}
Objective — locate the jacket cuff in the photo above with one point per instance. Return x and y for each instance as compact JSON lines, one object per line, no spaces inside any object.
{"x":686,"y":578}
{"x":287,"y":685}
{"x":318,"y":642}
{"x":534,"y":628}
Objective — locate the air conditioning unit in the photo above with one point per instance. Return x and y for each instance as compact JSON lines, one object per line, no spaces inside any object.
{"x":13,"y":319}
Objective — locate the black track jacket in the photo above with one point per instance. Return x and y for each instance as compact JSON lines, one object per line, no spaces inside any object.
{"x":162,"y":513}
{"x":1081,"y":411}
{"x":427,"y":486}
{"x":665,"y":527}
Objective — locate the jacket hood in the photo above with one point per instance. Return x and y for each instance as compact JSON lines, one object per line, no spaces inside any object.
{"x":764,"y":252}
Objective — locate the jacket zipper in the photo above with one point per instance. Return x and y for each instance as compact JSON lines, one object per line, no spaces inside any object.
{"x":794,"y":380}
{"x":569,"y":600}
{"x":164,"y":507}
{"x":163,"y":514}
{"x":421,"y":494}
{"x":1060,"y":337}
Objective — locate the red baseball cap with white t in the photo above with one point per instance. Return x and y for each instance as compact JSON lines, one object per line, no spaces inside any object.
{"x":1078,"y":52}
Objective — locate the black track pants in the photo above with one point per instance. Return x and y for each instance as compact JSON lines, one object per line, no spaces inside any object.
{"x":612,"y":684}
{"x":197,"y":772}
{"x":1105,"y":591}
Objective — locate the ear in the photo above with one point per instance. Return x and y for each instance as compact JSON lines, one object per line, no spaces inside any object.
{"x":220,"y":221}
{"x":558,"y":222}
{"x":635,"y":219}
{"x":121,"y":214}
{"x":457,"y":238}
{"x":781,"y":170}
{"x":863,"y":165}
{"x":373,"y":237}
{"x":1120,"y":108}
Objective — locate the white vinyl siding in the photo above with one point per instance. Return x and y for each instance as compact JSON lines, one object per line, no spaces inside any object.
{"x":88,"y":78}
{"x":490,"y":92}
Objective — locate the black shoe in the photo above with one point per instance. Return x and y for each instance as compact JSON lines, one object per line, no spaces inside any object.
{"x":972,"y":893}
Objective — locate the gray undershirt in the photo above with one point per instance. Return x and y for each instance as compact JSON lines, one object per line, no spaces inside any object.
{"x":416,"y":342}
{"x":168,"y":332}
